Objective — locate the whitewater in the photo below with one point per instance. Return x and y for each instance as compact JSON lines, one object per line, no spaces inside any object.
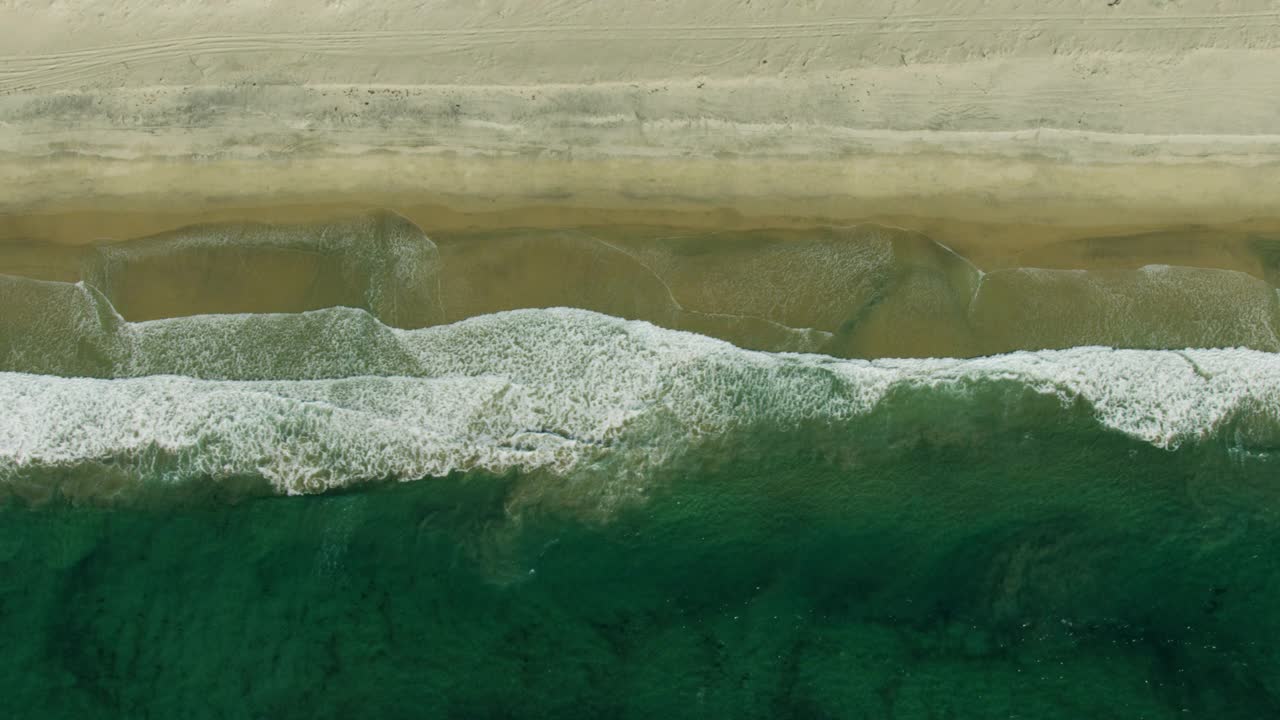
{"x":315,"y":401}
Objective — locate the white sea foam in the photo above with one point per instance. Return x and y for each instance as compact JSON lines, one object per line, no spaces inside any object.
{"x":561,"y":389}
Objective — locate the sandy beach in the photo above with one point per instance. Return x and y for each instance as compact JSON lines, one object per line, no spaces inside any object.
{"x":750,"y":359}
{"x":1001,"y":126}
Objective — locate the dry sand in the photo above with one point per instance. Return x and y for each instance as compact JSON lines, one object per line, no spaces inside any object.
{"x":999,"y":125}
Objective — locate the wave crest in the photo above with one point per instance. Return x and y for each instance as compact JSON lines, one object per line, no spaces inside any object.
{"x":559,"y":390}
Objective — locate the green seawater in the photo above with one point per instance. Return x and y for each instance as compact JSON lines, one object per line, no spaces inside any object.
{"x":1039,"y":567}
{"x":343,"y":471}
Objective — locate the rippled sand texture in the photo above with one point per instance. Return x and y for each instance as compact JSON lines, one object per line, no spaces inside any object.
{"x":861,"y":291}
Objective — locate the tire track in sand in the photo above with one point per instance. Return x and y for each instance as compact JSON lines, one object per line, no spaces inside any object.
{"x":51,"y":70}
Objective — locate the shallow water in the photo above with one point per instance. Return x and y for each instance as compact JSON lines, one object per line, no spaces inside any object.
{"x":859,"y":291}
{"x":220,"y":496}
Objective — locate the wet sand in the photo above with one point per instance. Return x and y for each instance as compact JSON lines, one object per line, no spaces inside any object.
{"x":991,"y":237}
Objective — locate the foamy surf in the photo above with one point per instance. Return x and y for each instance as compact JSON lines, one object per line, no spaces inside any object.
{"x":554,"y":390}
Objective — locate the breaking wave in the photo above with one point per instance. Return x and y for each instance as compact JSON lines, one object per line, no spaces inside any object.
{"x":328,"y":399}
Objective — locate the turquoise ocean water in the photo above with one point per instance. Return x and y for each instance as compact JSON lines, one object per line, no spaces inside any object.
{"x":558,"y":513}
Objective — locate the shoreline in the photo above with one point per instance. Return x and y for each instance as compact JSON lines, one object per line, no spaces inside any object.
{"x":995,"y":126}
{"x":996,"y":129}
{"x":997,"y":210}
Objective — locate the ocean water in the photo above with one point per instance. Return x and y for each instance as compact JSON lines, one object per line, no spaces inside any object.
{"x":277,"y":508}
